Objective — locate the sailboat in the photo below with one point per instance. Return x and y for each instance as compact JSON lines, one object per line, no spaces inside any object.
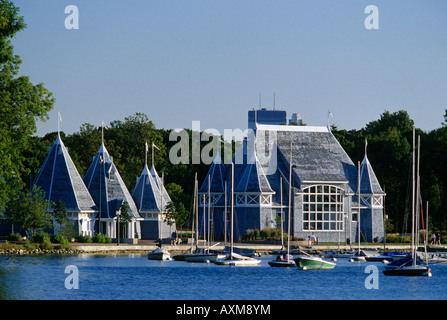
{"x":409,"y":266}
{"x":285,"y":260}
{"x":235,"y":259}
{"x":159,"y":253}
{"x":358,"y":255}
{"x":203,"y":254}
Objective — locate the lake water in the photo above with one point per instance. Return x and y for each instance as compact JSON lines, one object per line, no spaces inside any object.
{"x":133,"y":277}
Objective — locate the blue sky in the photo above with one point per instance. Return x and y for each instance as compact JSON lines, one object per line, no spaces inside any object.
{"x":180,"y":61}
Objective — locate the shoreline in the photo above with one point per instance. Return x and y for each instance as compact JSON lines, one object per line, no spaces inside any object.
{"x":122,"y":248}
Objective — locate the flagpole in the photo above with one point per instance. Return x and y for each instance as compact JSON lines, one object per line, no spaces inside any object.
{"x":329,"y":115}
{"x":59,"y":119}
{"x":146,"y":153}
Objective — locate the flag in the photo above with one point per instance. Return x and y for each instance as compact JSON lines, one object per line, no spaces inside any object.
{"x":104,"y":125}
{"x":153,"y":145}
{"x":147,"y":148}
{"x":59,"y":117}
{"x":330,"y":113}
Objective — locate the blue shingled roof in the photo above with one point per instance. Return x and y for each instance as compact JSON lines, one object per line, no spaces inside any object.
{"x":106,"y":185}
{"x":216,"y":175}
{"x":368,"y":180}
{"x":149,"y":193}
{"x":60,"y":180}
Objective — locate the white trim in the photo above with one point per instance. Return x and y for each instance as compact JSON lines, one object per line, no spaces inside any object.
{"x":324,"y":182}
{"x":271,"y":127}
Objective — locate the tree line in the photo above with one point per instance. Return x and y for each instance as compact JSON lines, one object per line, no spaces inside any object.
{"x":389,"y":149}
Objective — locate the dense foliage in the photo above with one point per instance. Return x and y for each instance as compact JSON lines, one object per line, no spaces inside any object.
{"x":389,"y":149}
{"x":21,"y":105}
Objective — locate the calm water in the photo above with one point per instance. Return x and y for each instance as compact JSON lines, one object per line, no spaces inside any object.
{"x":133,"y":277}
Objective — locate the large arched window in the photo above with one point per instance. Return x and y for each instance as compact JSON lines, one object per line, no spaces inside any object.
{"x":322,"y":208}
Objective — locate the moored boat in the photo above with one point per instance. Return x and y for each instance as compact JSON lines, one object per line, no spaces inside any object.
{"x":201,"y":257}
{"x":159,"y":254}
{"x":410,"y":266}
{"x":282,"y":264}
{"x":406,"y":268}
{"x":237,"y":260}
{"x":313,"y":263}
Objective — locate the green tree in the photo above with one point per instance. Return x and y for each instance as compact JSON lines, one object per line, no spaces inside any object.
{"x":60,"y":212}
{"x":125,"y":213}
{"x":21,"y":105}
{"x":29,"y":209}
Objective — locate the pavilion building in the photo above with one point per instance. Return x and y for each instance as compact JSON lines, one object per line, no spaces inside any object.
{"x":152,"y":200}
{"x":323,"y":184}
{"x":61,"y":181}
{"x":109,"y":192}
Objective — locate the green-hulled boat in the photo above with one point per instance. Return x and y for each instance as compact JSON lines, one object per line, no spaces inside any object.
{"x":313,"y":263}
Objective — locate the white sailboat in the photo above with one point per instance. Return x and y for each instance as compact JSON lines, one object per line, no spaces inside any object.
{"x":286,"y":260}
{"x":409,"y":266}
{"x":358,"y":256}
{"x":158,"y":253}
{"x":235,"y":259}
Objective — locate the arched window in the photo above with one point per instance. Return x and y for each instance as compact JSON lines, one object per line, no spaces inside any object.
{"x":322,"y":208}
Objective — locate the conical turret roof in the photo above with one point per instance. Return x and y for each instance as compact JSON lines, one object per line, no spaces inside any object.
{"x":216,"y":175}
{"x":369,"y":184}
{"x":149,"y":193}
{"x":106,"y":185}
{"x":60,"y":180}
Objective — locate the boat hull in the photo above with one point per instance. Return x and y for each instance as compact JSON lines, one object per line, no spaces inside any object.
{"x":201,"y":257}
{"x":313,"y":263}
{"x":409,"y":271}
{"x":377,"y":258}
{"x":223,"y":262}
{"x":237,"y":260}
{"x":282,"y":264}
{"x":159,"y":255}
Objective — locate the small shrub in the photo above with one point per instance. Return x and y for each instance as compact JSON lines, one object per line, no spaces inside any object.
{"x":15,"y":237}
{"x":60,"y":239}
{"x":41,"y":237}
{"x":101,"y":238}
{"x":29,"y":245}
{"x":46,"y":245}
{"x":85,"y":239}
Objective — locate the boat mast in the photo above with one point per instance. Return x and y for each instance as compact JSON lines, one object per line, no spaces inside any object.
{"x":225,"y":215}
{"x":418,"y":186}
{"x":197,"y":216}
{"x":358,"y":218}
{"x":204,"y":220}
{"x":282,"y":227}
{"x":232,"y":209}
{"x":290,"y":200}
{"x":209,"y":210}
{"x":412,"y":201}
{"x":193,"y":213}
